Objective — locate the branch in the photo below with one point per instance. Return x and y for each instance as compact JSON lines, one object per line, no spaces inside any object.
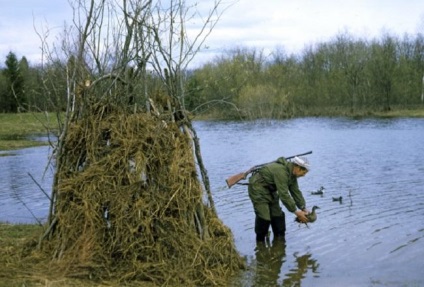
{"x":39,"y":186}
{"x":26,"y":206}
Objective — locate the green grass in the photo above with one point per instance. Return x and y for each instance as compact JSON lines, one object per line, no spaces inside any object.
{"x":11,"y":233}
{"x":16,"y":128}
{"x":403,"y":113}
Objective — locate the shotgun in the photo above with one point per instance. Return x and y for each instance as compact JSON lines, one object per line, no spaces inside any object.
{"x":232,"y":180}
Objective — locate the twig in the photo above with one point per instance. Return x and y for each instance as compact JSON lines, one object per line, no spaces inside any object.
{"x":26,"y":206}
{"x":205,"y":179}
{"x":39,"y":186}
{"x":47,"y":232}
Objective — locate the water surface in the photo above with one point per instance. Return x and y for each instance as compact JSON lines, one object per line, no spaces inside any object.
{"x":25,"y":184}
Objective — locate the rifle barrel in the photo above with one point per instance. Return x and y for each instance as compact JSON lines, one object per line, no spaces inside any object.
{"x":232,"y":180}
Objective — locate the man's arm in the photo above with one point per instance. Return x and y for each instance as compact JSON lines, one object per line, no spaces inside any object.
{"x":297,"y":195}
{"x":281,"y":180}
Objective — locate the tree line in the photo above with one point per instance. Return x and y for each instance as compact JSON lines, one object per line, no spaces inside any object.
{"x":342,"y":76}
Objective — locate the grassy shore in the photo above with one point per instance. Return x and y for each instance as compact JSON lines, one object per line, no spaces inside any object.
{"x":16,"y":128}
{"x":403,"y":113}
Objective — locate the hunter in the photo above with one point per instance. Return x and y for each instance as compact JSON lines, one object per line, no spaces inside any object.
{"x":274,"y":181}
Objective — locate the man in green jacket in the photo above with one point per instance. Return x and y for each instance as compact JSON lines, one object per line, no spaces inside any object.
{"x":274,"y":181}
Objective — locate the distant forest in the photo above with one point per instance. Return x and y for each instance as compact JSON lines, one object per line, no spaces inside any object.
{"x":344,"y":76}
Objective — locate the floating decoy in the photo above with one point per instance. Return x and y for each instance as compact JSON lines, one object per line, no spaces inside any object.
{"x":339,"y":199}
{"x":319,"y":191}
{"x":312,"y":216}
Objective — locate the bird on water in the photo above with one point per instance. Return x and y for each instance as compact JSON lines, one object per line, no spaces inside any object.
{"x":339,"y":199}
{"x":319,"y":191}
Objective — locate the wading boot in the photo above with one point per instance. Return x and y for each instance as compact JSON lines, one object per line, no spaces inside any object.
{"x":261,"y":228}
{"x":278,"y":224}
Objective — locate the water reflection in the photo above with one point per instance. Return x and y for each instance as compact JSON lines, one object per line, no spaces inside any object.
{"x":304,"y":263}
{"x":269,"y":269}
{"x":269,"y":261}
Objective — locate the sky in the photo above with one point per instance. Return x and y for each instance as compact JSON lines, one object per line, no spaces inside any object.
{"x":290,"y":25}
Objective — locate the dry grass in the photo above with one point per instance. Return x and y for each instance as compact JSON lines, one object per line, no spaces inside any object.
{"x":16,"y":269}
{"x":129,"y":208}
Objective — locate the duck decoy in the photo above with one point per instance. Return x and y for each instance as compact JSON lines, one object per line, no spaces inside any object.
{"x":312,"y":216}
{"x":319,"y":191}
{"x":339,"y":199}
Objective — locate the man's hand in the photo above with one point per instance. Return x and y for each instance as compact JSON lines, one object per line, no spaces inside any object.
{"x":301,"y":216}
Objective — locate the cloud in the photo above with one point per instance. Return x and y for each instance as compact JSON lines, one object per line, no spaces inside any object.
{"x":295,"y":23}
{"x":21,"y":20}
{"x":266,"y":24}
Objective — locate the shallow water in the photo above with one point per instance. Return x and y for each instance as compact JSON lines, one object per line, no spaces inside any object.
{"x":373,"y":238}
{"x":25,"y":184}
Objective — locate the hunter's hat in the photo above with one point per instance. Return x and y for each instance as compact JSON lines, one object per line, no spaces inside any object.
{"x":301,"y":161}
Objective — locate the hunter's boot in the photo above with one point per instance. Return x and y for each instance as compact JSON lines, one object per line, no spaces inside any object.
{"x":261,"y":228}
{"x":278,"y":224}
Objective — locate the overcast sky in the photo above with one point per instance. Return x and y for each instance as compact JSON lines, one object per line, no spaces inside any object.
{"x":263,"y":24}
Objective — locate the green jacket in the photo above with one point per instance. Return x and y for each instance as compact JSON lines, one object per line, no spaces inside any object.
{"x":278,"y":177}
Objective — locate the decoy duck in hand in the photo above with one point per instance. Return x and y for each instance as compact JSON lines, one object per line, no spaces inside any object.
{"x":312,"y":216}
{"x":319,"y":191}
